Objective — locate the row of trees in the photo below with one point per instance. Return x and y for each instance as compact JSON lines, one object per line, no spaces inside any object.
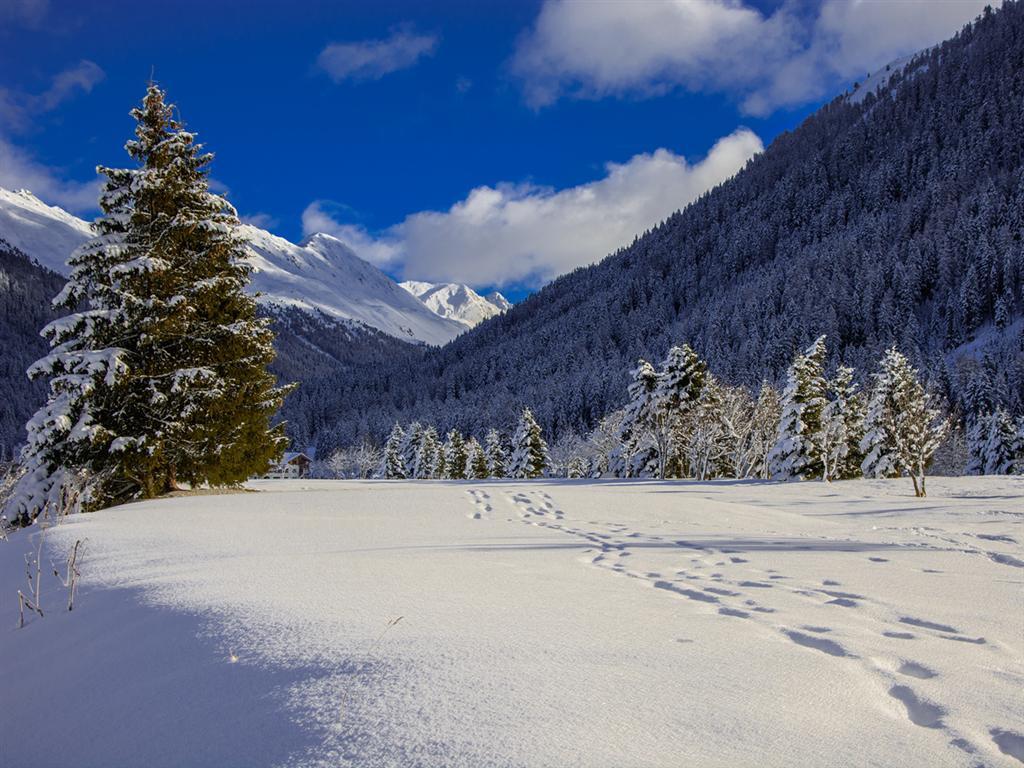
{"x":995,"y":444}
{"x":681,"y":421}
{"x":417,"y":452}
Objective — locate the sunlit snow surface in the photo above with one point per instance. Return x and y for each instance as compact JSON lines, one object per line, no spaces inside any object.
{"x":542,"y":624}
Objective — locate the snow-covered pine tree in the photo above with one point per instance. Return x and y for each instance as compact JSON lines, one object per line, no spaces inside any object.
{"x":636,"y":453}
{"x":603,"y":443}
{"x":877,"y":445}
{"x":793,"y":456}
{"x":529,"y":451}
{"x":677,"y":391}
{"x":161,"y":374}
{"x":455,"y":456}
{"x":902,"y":430}
{"x":999,"y":444}
{"x":476,"y":460}
{"x":763,"y":430}
{"x":977,"y":439}
{"x":411,"y":448}
{"x":391,"y":465}
{"x":1018,"y":446}
{"x":495,"y":454}
{"x":842,"y":428}
{"x":427,"y":455}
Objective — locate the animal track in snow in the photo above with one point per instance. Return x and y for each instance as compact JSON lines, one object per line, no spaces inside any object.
{"x":924,"y":624}
{"x":481,"y":503}
{"x":899,"y":635}
{"x":721,"y":582}
{"x":1009,"y":742}
{"x":919,"y":711}
{"x":725,"y":611}
{"x":843,"y":602}
{"x":822,"y":644}
{"x":913,"y":669}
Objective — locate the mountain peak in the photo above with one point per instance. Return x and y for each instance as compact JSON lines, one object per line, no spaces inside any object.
{"x":457,"y":301}
{"x":322,"y":237}
{"x":45,"y":233}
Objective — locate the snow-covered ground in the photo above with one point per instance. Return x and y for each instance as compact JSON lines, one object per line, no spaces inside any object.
{"x":542,"y":624}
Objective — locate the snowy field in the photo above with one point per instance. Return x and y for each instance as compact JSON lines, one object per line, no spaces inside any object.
{"x":541,"y":624}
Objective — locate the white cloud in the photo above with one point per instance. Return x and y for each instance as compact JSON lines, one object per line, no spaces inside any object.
{"x":372,"y":59}
{"x":591,"y":50}
{"x":18,"y":109}
{"x":82,"y":77}
{"x":18,"y":170}
{"x":520,"y":233}
{"x":259,"y":220}
{"x":321,"y":216}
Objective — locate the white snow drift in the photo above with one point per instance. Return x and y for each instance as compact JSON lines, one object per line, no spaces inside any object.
{"x":543,"y":624}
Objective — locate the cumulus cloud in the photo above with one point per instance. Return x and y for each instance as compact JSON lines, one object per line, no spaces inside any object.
{"x":19,"y":170}
{"x":525,"y":234}
{"x":372,"y":59}
{"x":322,"y":216}
{"x":18,"y":112}
{"x":788,"y":57}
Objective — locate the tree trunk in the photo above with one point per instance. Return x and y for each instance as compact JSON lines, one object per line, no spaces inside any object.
{"x":918,"y":492}
{"x":148,"y":484}
{"x":172,"y":480}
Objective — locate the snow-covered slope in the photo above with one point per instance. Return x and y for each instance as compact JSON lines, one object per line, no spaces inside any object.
{"x":45,"y":233}
{"x":390,"y":623}
{"x":457,"y":302}
{"x":320,"y":274}
{"x":323,"y":273}
{"x":880,"y":78}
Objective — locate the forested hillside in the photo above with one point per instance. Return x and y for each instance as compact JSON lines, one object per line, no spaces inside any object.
{"x":25,"y":293}
{"x":896,"y":218}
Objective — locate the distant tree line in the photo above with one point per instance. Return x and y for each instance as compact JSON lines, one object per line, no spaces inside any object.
{"x":680,"y":421}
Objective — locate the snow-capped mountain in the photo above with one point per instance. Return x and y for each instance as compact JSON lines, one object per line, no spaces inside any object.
{"x":43,"y":232}
{"x":321,"y":274}
{"x":458,"y":302}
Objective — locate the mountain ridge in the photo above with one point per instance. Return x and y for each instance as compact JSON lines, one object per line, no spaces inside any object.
{"x":457,"y":301}
{"x":320,"y":274}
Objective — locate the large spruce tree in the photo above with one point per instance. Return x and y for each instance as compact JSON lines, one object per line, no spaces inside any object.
{"x":158,"y":374}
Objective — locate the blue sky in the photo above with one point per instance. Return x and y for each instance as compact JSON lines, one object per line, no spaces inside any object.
{"x":377,"y":121}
